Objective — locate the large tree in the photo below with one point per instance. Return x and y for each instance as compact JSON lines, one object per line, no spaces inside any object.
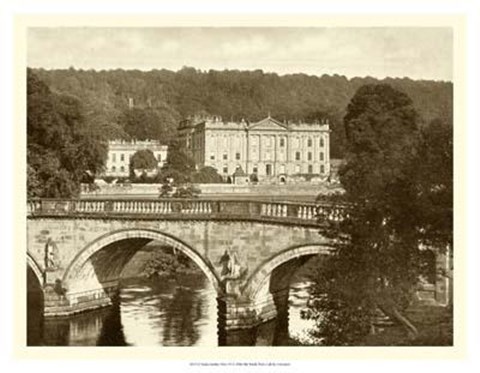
{"x":143,"y":160}
{"x":179,"y":165}
{"x":61,"y":146}
{"x":378,"y":262}
{"x":433,"y":176}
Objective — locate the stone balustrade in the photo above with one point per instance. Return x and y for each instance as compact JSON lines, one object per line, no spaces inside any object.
{"x":260,"y":210}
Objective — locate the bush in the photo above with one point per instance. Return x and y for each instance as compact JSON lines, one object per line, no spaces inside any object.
{"x":207,"y":175}
{"x":186,"y":191}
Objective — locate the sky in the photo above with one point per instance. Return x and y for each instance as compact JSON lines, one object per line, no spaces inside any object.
{"x":414,"y":52}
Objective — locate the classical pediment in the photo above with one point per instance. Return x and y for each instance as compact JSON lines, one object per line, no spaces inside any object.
{"x":268,"y":124}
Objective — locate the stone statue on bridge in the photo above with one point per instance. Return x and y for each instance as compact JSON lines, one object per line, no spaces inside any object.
{"x":50,"y":255}
{"x":232,"y":272}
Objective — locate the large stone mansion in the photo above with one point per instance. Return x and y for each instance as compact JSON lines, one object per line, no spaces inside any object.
{"x":272,"y":150}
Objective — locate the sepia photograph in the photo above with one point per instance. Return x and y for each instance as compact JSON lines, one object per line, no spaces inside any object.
{"x":215,"y":185}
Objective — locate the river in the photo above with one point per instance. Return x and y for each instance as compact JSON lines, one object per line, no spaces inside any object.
{"x":160,"y":312}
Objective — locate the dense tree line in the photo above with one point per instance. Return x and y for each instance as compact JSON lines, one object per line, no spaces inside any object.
{"x":63,"y":148}
{"x":161,"y":98}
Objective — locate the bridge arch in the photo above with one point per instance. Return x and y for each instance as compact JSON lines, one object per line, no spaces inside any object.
{"x":140,"y":237}
{"x":260,"y":278}
{"x":34,"y":266}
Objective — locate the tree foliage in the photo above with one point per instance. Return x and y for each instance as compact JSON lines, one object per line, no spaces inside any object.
{"x":169,"y":263}
{"x":178,"y":165}
{"x":433,"y":172}
{"x":207,"y":175}
{"x":149,"y":123}
{"x":162,"y":97}
{"x":143,"y":159}
{"x":61,"y":146}
{"x":378,"y":261}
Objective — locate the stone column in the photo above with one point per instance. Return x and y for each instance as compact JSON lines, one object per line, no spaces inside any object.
{"x":237,"y":322}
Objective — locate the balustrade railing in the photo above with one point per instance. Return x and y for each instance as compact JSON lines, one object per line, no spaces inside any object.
{"x":283,"y":211}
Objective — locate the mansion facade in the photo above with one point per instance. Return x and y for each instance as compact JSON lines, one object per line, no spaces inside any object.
{"x":120,"y":153}
{"x":269,"y":149}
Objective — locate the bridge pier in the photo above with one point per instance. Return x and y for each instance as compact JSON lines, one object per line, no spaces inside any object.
{"x":242,"y":323}
{"x":242,"y":317}
{"x":57,"y":302}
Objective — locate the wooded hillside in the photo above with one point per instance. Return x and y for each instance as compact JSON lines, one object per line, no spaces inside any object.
{"x":162,"y":97}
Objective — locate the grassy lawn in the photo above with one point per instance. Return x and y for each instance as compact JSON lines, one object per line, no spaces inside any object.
{"x":434,"y":324}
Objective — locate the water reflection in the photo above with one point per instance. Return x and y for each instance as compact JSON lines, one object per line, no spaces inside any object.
{"x":180,"y":312}
{"x":162,"y":312}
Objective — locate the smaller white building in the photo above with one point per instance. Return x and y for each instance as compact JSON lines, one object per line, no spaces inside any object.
{"x":120,"y":153}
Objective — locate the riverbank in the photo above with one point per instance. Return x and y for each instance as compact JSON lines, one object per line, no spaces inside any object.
{"x":434,"y":324}
{"x":155,"y":260}
{"x":225,"y":191}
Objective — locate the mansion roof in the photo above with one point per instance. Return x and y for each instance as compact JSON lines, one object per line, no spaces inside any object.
{"x":136,"y":145}
{"x":268,"y":123}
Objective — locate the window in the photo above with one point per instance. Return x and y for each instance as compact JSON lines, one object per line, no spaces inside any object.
{"x":237,"y":156}
{"x":322,"y":143}
{"x":310,"y":169}
{"x":225,"y":156}
{"x":225,"y":170}
{"x":113,"y":169}
{"x":322,"y":169}
{"x":268,"y":169}
{"x":321,"y":156}
{"x":122,"y":169}
{"x":255,"y":169}
{"x":309,"y":142}
{"x":297,"y":168}
{"x":282,"y":142}
{"x":309,"y":156}
{"x":122,"y":157}
{"x":114,"y":157}
{"x":282,"y":169}
{"x":212,"y":156}
{"x":297,"y":156}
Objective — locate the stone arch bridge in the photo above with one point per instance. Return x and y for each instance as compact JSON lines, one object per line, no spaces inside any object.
{"x":249,"y":250}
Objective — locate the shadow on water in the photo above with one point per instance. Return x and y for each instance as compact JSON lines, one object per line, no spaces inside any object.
{"x":111,"y":332}
{"x":34,"y":310}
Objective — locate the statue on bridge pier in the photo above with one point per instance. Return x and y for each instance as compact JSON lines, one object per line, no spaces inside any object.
{"x":51,"y":252}
{"x":232,"y":272}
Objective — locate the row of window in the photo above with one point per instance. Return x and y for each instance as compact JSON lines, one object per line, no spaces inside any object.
{"x":267,"y":156}
{"x":298,"y":156}
{"x":114,"y":169}
{"x":281,"y":170}
{"x":268,"y":142}
{"x":122,"y":157}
